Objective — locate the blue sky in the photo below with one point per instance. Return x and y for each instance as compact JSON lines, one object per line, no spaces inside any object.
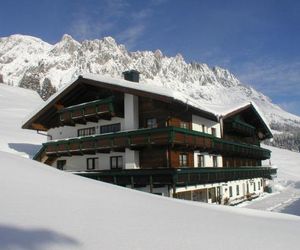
{"x":257,"y":40}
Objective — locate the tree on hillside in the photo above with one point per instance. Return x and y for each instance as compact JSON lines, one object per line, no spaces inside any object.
{"x":30,"y":81}
{"x":47,"y":89}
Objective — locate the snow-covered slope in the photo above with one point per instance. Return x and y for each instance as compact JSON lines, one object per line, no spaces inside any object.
{"x":43,"y":208}
{"x":15,"y":104}
{"x":37,"y":60}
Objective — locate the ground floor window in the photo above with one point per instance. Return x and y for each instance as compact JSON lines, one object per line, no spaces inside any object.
{"x":254,"y":186}
{"x":91,"y":163}
{"x":230,"y":191}
{"x":183,"y":160}
{"x":237,"y":190}
{"x":60,"y":164}
{"x":116,"y":162}
{"x":201,"y":162}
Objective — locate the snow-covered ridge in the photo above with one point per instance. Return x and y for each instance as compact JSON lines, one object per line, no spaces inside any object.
{"x":61,"y":62}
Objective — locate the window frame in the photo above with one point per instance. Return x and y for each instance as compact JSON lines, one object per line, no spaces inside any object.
{"x":93,"y":161}
{"x":202,"y":165}
{"x":151,"y":122}
{"x":117,"y":157}
{"x":214,"y":131}
{"x":183,"y":162}
{"x":215,"y":161}
{"x":86,"y":131}
{"x":110,"y":128}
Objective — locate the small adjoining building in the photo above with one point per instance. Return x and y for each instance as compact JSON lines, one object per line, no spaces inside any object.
{"x":154,"y":139}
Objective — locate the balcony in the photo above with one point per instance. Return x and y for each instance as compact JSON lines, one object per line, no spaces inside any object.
{"x":178,"y":177}
{"x":136,"y":139}
{"x":240,"y":127}
{"x":141,"y":138}
{"x":229,"y":148}
{"x":89,"y":111}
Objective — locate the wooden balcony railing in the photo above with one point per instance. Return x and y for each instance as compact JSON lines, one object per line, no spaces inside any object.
{"x":89,"y":111}
{"x":178,"y":177}
{"x":240,"y":127}
{"x":137,"y":139}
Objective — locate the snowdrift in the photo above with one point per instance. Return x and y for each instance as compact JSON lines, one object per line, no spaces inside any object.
{"x":44,"y":208}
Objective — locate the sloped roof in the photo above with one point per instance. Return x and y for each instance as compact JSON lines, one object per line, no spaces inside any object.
{"x":128,"y":87}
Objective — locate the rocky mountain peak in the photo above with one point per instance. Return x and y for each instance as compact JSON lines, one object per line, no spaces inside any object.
{"x":27,"y":60}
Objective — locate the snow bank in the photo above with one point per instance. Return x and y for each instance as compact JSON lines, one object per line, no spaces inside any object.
{"x":15,"y":104}
{"x":43,"y":208}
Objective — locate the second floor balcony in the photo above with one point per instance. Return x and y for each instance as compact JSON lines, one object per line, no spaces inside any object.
{"x":172,"y":137}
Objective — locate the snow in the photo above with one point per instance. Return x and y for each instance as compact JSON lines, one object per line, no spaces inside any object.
{"x":286,"y":196}
{"x":43,"y":208}
{"x":15,"y":103}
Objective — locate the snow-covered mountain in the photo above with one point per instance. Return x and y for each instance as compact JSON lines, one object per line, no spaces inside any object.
{"x":28,"y":61}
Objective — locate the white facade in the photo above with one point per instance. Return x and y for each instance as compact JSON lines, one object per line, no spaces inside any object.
{"x":131,"y":122}
{"x":79,"y":162}
{"x":204,"y":125}
{"x":231,"y":192}
{"x":72,"y":131}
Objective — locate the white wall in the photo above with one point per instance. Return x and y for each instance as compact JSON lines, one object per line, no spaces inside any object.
{"x":131,"y":112}
{"x":224,"y":188}
{"x":70,"y":132}
{"x":208,"y":159}
{"x":79,"y":162}
{"x":198,"y":121}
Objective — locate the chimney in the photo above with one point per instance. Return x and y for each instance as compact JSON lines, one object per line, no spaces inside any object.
{"x":132,"y":75}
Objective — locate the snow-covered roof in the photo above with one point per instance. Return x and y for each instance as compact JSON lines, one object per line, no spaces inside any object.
{"x":150,"y":88}
{"x":214,"y":110}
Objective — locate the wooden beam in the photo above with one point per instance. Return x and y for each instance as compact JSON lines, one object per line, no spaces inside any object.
{"x":38,"y":126}
{"x":58,"y":106}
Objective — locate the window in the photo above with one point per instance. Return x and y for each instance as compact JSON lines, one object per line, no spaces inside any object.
{"x":201,"y":162}
{"x":213,"y":131}
{"x":254,"y":186}
{"x":60,"y":164}
{"x":184,"y":125}
{"x":151,"y":123}
{"x":247,"y":188}
{"x":258,"y":185}
{"x":116,"y":162}
{"x":230,"y":191}
{"x":215,"y":161}
{"x":86,"y":131}
{"x":91,"y":163}
{"x":237,"y":190}
{"x":203,"y":128}
{"x":183,"y":162}
{"x":111,"y":128}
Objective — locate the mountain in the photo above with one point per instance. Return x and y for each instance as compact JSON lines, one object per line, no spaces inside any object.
{"x":32,"y":63}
